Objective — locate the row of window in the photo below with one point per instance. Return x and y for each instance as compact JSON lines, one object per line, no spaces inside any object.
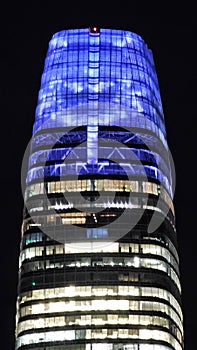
{"x":101,"y":168}
{"x":99,"y":291}
{"x":107,"y":346}
{"x":152,"y":249}
{"x":93,"y":319}
{"x":58,"y":220}
{"x":155,"y":248}
{"x":55,"y":216}
{"x":70,"y":137}
{"x":68,"y":153}
{"x":98,"y":320}
{"x":111,"y":247}
{"x":97,"y":276}
{"x":117,"y":92}
{"x":100,"y":305}
{"x":101,"y":56}
{"x":79,"y":57}
{"x":87,"y":262}
{"x":109,"y":81}
{"x":73,"y":38}
{"x":53,"y":114}
{"x":108,"y":115}
{"x":114,"y":73}
{"x":98,"y":185}
{"x":69,"y":335}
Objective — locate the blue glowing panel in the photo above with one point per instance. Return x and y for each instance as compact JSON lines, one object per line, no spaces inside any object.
{"x":97,"y":232}
{"x":112,"y":66}
{"x":93,"y":80}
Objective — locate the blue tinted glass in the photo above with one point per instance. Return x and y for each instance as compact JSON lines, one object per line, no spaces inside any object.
{"x":111,"y":67}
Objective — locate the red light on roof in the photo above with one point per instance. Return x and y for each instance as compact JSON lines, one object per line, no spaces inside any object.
{"x":94,"y":30}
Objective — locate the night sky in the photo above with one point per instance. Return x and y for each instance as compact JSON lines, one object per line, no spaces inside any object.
{"x":25,"y":33}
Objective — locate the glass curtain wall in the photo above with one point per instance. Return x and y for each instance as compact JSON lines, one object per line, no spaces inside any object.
{"x":89,"y":277}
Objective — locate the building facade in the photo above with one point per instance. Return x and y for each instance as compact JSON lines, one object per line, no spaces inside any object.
{"x":99,"y":264}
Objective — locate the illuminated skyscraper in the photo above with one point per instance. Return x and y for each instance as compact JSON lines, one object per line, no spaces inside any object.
{"x":99,"y":266}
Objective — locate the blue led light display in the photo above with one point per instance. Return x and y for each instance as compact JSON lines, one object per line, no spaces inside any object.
{"x":112,"y":65}
{"x":94,"y":79}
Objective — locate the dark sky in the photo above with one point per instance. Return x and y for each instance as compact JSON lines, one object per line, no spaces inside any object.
{"x":25,"y":33}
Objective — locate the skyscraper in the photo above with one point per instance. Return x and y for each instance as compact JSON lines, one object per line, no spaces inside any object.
{"x":99,"y":265}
